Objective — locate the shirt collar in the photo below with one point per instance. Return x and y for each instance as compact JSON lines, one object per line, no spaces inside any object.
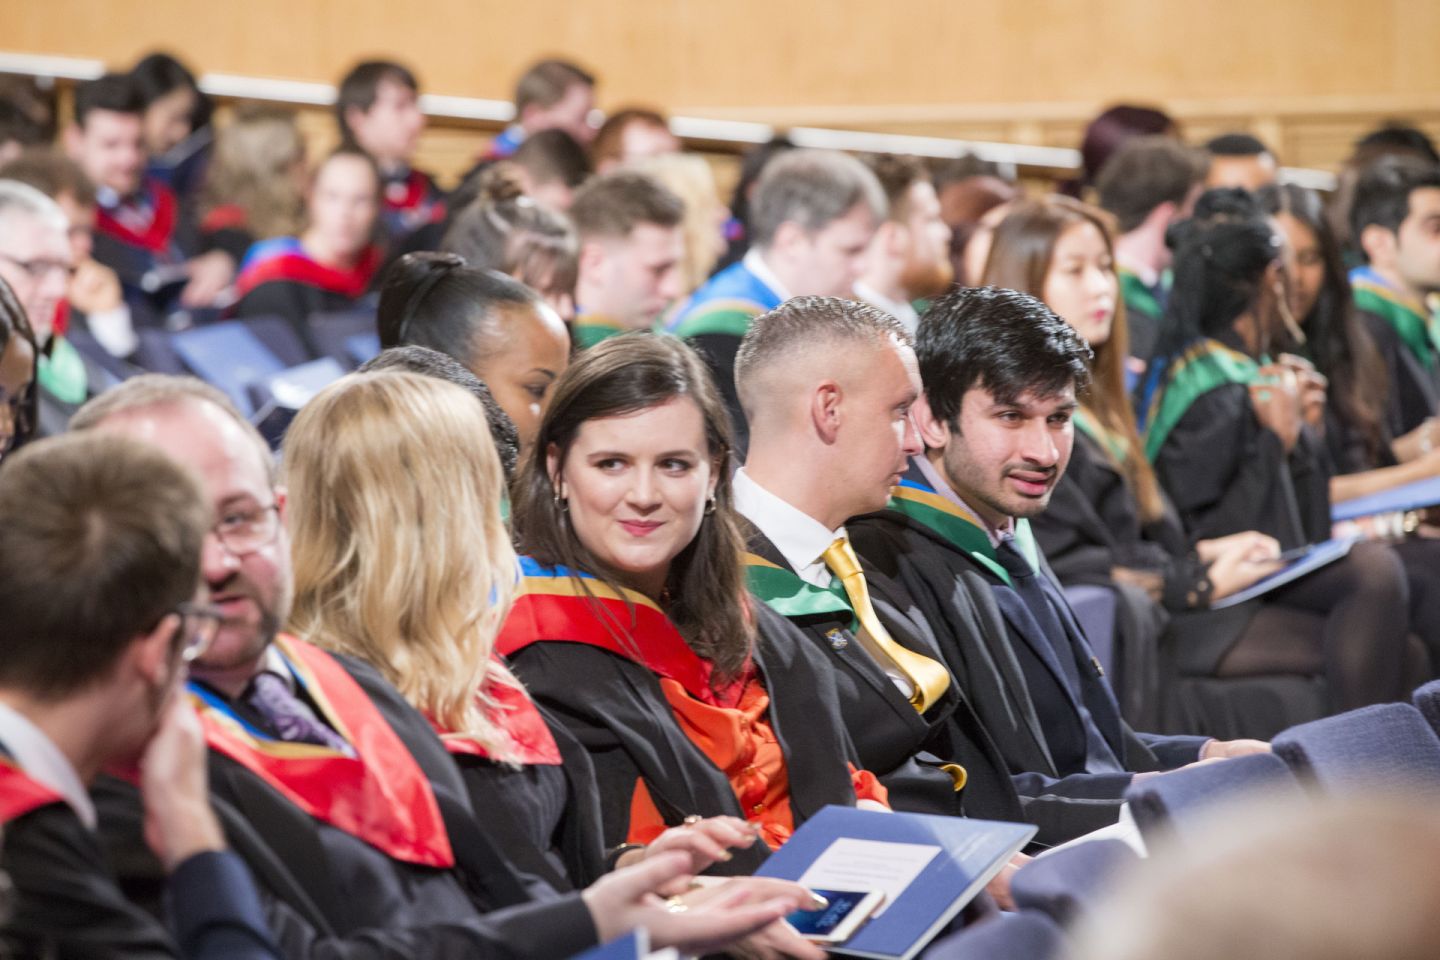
{"x":756,"y":264}
{"x":42,"y":760}
{"x":800,"y":538}
{"x":942,"y":486}
{"x":275,"y":663}
{"x":899,"y":309}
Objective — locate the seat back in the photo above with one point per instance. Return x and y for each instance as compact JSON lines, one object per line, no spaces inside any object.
{"x":1026,"y":935}
{"x":1165,"y":804}
{"x":1380,"y":747}
{"x":229,"y":356}
{"x":1427,"y":701}
{"x":1064,"y":883}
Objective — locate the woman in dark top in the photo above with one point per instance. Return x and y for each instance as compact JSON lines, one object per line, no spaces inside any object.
{"x":402,"y":559}
{"x":331,"y":264}
{"x":1364,"y":458}
{"x":1109,"y":523}
{"x":1232,"y":440}
{"x":696,"y":699}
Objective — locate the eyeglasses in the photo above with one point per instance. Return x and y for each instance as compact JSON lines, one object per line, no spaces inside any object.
{"x":244,"y":530}
{"x":37,"y":269}
{"x":199,"y":624}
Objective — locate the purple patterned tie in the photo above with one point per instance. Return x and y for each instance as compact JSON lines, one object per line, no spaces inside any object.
{"x":288,"y":716}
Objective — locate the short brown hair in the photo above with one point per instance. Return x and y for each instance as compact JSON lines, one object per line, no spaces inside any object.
{"x":546,"y":82}
{"x":1145,"y":173}
{"x":609,"y":139}
{"x":361,"y":85}
{"x":52,"y":173}
{"x":102,"y":538}
{"x":616,"y":203}
{"x":897,"y":173}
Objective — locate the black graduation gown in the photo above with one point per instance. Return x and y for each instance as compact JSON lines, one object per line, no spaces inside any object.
{"x":296,"y":302}
{"x":1414,"y":390}
{"x":956,"y":596}
{"x":1092,"y":525}
{"x":66,"y":903}
{"x":331,"y":895}
{"x":904,"y":749}
{"x":1226,"y":474}
{"x":545,"y":819}
{"x":615,"y":707}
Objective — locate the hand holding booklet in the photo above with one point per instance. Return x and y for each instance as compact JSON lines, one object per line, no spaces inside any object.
{"x":1312,"y":558}
{"x":926,"y":868}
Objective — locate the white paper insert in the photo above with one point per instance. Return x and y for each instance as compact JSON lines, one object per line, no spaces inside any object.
{"x":851,"y":864}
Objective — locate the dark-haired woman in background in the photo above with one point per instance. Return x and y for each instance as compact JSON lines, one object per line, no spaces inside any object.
{"x":497,"y":327}
{"x":633,"y":623}
{"x":330,"y":265}
{"x":18,"y":356}
{"x":1227,"y":432}
{"x":175,"y":122}
{"x":1364,"y":458}
{"x":1109,"y":523}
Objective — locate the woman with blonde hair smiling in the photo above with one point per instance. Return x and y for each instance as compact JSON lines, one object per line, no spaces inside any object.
{"x":402,"y":560}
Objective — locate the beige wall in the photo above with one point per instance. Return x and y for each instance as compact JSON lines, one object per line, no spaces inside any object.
{"x":1308,"y":74}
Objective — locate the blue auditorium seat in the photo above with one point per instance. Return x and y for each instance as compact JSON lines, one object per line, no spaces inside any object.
{"x":1014,"y":936}
{"x":1067,"y":882}
{"x":1164,"y":804}
{"x":1427,"y":701}
{"x":1389,"y":746}
{"x":229,"y":356}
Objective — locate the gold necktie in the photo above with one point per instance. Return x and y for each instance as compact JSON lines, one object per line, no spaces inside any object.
{"x":928,"y":679}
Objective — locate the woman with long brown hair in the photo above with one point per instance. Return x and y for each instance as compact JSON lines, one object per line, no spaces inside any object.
{"x":633,"y":622}
{"x":1110,"y":524}
{"x":402,"y":559}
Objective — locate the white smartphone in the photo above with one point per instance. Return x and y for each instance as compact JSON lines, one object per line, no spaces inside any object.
{"x":836,"y":922}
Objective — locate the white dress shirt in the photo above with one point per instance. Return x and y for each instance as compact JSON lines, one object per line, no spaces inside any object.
{"x":756,"y":264}
{"x":802,"y":540}
{"x":42,"y":761}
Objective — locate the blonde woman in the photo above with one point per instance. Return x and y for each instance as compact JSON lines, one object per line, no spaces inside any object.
{"x":402,"y":560}
{"x":255,"y":185}
{"x":690,"y":178}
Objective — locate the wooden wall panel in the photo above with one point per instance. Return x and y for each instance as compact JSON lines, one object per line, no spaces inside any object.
{"x":1025,"y":70}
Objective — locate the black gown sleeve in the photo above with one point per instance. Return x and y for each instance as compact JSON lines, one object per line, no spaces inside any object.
{"x":1227,"y":474}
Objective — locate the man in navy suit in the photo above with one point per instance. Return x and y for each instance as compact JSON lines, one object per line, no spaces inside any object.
{"x":1001,"y":374}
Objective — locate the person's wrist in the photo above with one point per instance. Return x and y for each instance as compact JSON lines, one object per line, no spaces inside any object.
{"x":187,"y":830}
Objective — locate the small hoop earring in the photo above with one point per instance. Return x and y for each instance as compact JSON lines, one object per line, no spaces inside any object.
{"x":561,"y":503}
{"x":709,"y":506}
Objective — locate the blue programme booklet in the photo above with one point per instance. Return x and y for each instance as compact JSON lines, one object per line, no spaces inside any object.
{"x":927,"y":866}
{"x":1317,"y":556}
{"x":1410,"y":496}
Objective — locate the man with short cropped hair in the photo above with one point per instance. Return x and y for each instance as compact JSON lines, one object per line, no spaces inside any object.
{"x":1239,"y":160}
{"x":140,"y":231}
{"x":1395,"y":221}
{"x":1148,"y":184}
{"x":909,"y":257}
{"x":552,"y":95}
{"x":811,"y":222}
{"x":99,"y":595}
{"x":631,"y":249}
{"x":377,"y":109}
